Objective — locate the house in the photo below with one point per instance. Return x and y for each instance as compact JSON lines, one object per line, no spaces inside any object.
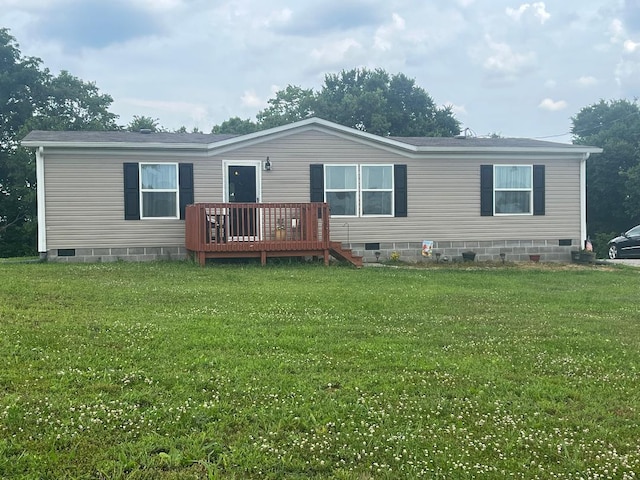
{"x":104,"y":196}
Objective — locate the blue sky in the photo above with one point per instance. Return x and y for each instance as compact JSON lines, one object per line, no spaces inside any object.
{"x":520,"y":69}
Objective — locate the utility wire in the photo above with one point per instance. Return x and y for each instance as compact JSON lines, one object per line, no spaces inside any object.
{"x":586,"y":130}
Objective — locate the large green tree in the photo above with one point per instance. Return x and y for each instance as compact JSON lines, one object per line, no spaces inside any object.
{"x":613,"y":177}
{"x":383,"y":104}
{"x":32,"y":98}
{"x":370,"y":100}
{"x":289,"y":105}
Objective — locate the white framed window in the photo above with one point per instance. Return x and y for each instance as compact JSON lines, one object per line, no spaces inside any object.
{"x":159,"y":190}
{"x":376,"y":190}
{"x":341,"y":189}
{"x":359,"y":190}
{"x":513,"y":189}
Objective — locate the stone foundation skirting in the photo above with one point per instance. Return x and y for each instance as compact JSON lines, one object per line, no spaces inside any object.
{"x":128,"y":254}
{"x":513,"y":250}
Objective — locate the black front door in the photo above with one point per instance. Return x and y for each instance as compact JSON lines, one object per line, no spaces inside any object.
{"x":242,"y":189}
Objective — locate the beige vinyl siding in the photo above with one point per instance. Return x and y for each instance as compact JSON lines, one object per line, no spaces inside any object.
{"x":85,"y":207}
{"x":443,"y":198}
{"x":84,"y":192}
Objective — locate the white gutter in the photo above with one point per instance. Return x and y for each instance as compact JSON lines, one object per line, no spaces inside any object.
{"x":583,"y":200}
{"x":40,"y":203}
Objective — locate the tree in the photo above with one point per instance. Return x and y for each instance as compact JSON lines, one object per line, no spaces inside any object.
{"x":235,"y":126}
{"x":32,"y":98}
{"x":290,"y":105}
{"x":613,"y":177}
{"x":369,"y":100}
{"x":144,"y":123}
{"x":20,"y":82}
{"x":383,"y":104}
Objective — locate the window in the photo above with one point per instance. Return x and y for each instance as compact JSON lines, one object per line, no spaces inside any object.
{"x":341,"y":189}
{"x":159,"y":190}
{"x":377,"y":190}
{"x":516,"y":190}
{"x":364,"y":191}
{"x":157,"y":185}
{"x":513,"y":189}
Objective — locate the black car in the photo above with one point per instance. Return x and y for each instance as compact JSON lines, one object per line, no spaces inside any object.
{"x":626,"y":245}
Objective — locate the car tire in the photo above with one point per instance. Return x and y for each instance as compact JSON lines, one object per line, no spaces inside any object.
{"x":613,"y":252}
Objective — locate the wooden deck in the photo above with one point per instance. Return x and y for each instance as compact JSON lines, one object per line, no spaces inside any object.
{"x":236,"y":230}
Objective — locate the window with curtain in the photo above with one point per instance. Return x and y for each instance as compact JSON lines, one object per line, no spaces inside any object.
{"x":513,"y":189}
{"x":159,"y":190}
{"x":377,"y":190}
{"x":341,"y":189}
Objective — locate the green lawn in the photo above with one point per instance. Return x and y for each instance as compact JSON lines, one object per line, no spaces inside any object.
{"x":168,"y":370}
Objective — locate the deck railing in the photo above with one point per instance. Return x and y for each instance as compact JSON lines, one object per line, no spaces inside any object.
{"x":234,"y":229}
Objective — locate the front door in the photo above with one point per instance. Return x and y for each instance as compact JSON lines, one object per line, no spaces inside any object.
{"x":242,"y":182}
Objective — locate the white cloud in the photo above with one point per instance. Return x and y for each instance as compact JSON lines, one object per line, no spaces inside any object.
{"x":552,"y":106}
{"x":336,"y":52}
{"x":250,"y":99}
{"x":631,"y":46}
{"x":538,"y":9}
{"x":551,"y":83}
{"x":627,"y":70}
{"x":278,"y":18}
{"x":383,"y":39}
{"x":616,"y":29}
{"x":587,"y":81}
{"x":505,"y":61}
{"x":458,"y":110}
{"x":627,"y":73}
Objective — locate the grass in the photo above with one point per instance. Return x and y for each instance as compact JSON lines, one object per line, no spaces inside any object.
{"x":171,"y":371}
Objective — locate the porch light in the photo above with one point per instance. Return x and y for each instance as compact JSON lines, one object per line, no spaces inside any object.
{"x":267,"y":165}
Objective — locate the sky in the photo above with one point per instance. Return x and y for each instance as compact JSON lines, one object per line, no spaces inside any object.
{"x":518,"y":69}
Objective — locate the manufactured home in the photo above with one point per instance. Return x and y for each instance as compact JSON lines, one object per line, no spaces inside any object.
{"x":308,"y":188}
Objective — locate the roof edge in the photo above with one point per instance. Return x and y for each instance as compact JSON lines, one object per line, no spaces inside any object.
{"x":393,"y":143}
{"x":310,"y":122}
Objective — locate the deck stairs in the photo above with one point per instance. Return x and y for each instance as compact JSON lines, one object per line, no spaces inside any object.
{"x":345,"y":254}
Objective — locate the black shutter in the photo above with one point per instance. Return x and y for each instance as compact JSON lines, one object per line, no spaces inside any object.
{"x":316,"y":180}
{"x":131,"y":192}
{"x":185,"y":179}
{"x":538,"y":190}
{"x":486,"y":190}
{"x":400,"y":190}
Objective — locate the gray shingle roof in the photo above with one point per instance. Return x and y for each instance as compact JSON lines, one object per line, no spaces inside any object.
{"x":211,"y":141}
{"x":473,"y":142}
{"x":124,"y":137}
{"x":208,"y":138}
